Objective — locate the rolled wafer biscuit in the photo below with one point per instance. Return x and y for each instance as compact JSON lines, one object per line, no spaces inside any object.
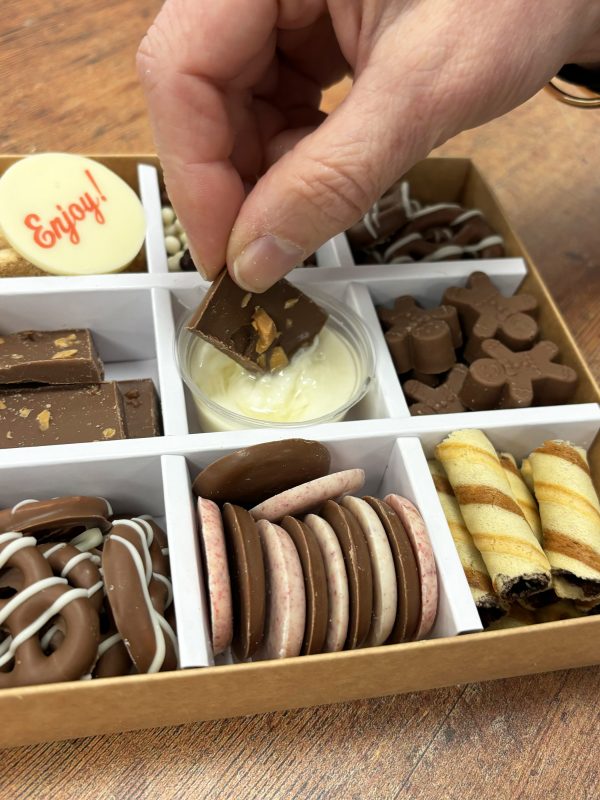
{"x":513,"y":556}
{"x":563,"y":609}
{"x":489,"y":605}
{"x":527,"y":474}
{"x":570,"y":514}
{"x":517,"y":617}
{"x":522,"y":494}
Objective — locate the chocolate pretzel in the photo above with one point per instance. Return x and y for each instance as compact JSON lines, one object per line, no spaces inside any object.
{"x":40,"y":597}
{"x":139,"y":593}
{"x":78,"y":568}
{"x":56,"y":517}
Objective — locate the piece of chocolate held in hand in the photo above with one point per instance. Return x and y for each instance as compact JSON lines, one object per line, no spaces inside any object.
{"x":398,"y":229}
{"x":77,"y":601}
{"x":307,"y":567}
{"x":509,"y":370}
{"x":418,"y":338}
{"x":262,"y":332}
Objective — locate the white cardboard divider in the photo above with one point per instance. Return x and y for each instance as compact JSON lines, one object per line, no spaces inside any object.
{"x":156,"y":255}
{"x":408,"y":474}
{"x":336,"y":253}
{"x":173,"y":403}
{"x":189,"y":596}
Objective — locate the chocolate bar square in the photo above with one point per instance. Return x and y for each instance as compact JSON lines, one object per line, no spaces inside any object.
{"x":140,"y":403}
{"x":52,"y":357}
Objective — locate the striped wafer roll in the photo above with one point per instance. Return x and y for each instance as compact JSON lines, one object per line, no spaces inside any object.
{"x":563,"y":609}
{"x":513,"y":556}
{"x":487,"y":601}
{"x":570,"y":514}
{"x":527,"y":474}
{"x":522,"y":494}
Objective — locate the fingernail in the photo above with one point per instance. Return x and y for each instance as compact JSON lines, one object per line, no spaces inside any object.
{"x":264,"y":261}
{"x":197,"y":262}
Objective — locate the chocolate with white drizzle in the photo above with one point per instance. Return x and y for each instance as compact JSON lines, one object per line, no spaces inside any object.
{"x":39,"y":598}
{"x":56,"y":516}
{"x":134,"y":569}
{"x":398,"y":229}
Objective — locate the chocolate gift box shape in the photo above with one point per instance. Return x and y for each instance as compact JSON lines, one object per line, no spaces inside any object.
{"x":53,"y":357}
{"x":61,"y":415}
{"x":522,"y":494}
{"x":486,"y":314}
{"x":419,"y":338}
{"x":442,"y":399}
{"x":487,"y":601}
{"x":513,"y":556}
{"x":570,"y":514}
{"x":505,"y":379}
{"x":259,"y":331}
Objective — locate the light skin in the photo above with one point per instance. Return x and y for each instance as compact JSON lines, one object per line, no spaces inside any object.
{"x":259,"y":178}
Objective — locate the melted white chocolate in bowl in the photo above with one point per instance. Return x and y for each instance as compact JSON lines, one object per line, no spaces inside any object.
{"x":319,"y":381}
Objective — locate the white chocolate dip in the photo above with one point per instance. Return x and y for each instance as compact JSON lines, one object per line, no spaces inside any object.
{"x":319,"y":381}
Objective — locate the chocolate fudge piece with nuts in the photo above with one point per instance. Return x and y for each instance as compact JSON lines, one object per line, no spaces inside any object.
{"x":260,"y":331}
{"x":61,"y":415}
{"x":49,"y":357}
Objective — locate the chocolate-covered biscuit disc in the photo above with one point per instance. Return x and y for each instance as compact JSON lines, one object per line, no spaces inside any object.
{"x":407,"y":573}
{"x":358,"y":566}
{"x":247,"y":571}
{"x":253,"y":474}
{"x":58,"y":515}
{"x":315,"y":584}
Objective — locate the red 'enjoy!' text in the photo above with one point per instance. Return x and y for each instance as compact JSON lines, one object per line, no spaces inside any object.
{"x":47,"y":234}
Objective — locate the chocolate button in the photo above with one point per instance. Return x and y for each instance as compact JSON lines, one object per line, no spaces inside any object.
{"x":315,"y":584}
{"x":256,"y":473}
{"x":247,"y":571}
{"x":358,"y":566}
{"x":407,"y":574}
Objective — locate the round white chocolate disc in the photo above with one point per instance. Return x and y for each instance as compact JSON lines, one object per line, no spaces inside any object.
{"x":70,"y":215}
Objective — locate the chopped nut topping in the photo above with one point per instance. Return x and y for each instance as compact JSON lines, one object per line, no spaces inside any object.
{"x":108,"y":433}
{"x":265,"y":327}
{"x":290,"y":303}
{"x":65,"y":341}
{"x":262,"y":361}
{"x":2,"y":405}
{"x":2,"y":340}
{"x":288,"y":323}
{"x":17,"y":356}
{"x":278,"y":359}
{"x":43,"y":419}
{"x":246,"y":299}
{"x":25,"y":412}
{"x":64,"y":354}
{"x":9,"y":435}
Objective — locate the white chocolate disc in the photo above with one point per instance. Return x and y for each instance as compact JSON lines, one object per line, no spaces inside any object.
{"x":70,"y":215}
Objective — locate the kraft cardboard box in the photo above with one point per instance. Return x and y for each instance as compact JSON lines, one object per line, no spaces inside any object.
{"x":155,"y":474}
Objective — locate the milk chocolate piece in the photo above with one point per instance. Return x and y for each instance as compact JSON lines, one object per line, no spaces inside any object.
{"x":140,"y":403}
{"x":419,"y":338}
{"x":55,"y":357}
{"x":505,"y":379}
{"x":247,"y":571}
{"x":253,"y":474}
{"x":358,"y":566}
{"x":443,"y":399}
{"x":259,"y":331}
{"x":315,"y":584}
{"x":407,"y":573}
{"x":61,"y":415}
{"x":486,"y":314}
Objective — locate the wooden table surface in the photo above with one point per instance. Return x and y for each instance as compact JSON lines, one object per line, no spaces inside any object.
{"x":68,"y":83}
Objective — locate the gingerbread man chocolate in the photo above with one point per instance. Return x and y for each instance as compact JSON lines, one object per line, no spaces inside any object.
{"x":442,"y":399}
{"x":505,"y":379}
{"x":419,"y":338}
{"x":486,"y":313}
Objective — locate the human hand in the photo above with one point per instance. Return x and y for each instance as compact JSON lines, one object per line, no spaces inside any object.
{"x":258,"y":177}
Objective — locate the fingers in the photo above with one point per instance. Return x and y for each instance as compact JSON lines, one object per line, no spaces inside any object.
{"x":326,"y":181}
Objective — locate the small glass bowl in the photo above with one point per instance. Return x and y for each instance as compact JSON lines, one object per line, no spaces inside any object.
{"x":342,"y":321}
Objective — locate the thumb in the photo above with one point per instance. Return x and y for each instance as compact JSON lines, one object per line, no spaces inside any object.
{"x":327,"y":181}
